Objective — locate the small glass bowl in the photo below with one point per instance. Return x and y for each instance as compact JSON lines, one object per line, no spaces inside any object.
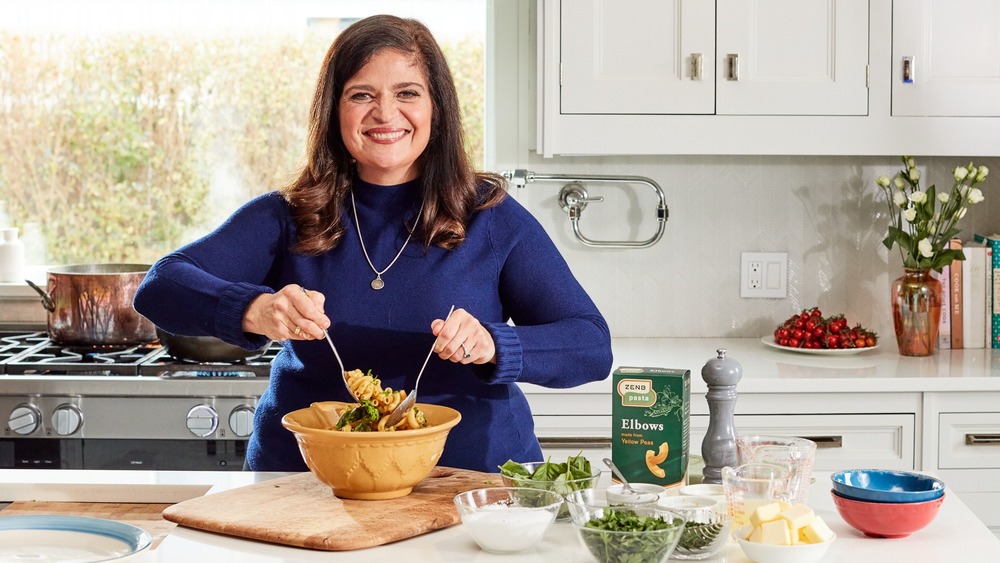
{"x":507,"y":519}
{"x":607,"y":546}
{"x":706,"y":528}
{"x":562,"y":488}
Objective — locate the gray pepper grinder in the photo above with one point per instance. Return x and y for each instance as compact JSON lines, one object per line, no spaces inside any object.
{"x":719,"y":446}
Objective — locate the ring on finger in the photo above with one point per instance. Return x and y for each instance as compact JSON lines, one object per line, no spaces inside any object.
{"x":298,"y":331}
{"x":465,"y":351}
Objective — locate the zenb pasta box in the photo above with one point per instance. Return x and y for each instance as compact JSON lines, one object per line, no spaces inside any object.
{"x":650,"y":424}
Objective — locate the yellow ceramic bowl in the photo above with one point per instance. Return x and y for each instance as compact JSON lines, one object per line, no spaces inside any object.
{"x":369,"y":465}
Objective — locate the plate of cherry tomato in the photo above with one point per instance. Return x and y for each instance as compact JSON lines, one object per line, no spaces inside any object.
{"x":809,"y":332}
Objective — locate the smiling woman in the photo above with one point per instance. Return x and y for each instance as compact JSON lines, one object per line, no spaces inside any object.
{"x":129,"y":136}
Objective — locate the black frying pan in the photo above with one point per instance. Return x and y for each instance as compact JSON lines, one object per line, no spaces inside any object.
{"x":204,"y":348}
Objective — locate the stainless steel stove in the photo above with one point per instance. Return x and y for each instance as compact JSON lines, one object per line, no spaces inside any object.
{"x":131,"y":407}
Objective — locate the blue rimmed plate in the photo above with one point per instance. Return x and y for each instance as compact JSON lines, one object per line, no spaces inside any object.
{"x":65,"y":539}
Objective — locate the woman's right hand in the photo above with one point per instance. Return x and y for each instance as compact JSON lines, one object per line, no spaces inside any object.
{"x":292,"y":313}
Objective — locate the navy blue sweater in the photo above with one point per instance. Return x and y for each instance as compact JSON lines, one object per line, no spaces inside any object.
{"x":507,"y":273}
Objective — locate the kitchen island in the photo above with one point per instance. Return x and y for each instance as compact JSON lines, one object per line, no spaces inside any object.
{"x":955,"y":535}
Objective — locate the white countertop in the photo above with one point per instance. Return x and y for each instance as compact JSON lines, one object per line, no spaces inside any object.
{"x":955,"y":535}
{"x":873,"y":371}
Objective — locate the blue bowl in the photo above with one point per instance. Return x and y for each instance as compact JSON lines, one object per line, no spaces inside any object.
{"x":885,"y":485}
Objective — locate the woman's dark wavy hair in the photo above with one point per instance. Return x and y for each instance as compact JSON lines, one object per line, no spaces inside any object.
{"x":451,"y":189}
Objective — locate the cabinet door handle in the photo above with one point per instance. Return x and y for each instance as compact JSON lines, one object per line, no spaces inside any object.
{"x":826,"y":441}
{"x":909,"y":72}
{"x":982,"y":439}
{"x":696,"y":66}
{"x":733,"y":64}
{"x":575,"y":443}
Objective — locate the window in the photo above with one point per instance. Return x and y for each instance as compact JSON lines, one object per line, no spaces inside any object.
{"x":129,"y":127}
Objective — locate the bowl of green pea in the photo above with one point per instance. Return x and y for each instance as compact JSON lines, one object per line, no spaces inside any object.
{"x":641,"y":533}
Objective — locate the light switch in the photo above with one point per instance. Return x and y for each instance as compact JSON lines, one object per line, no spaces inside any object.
{"x":764,"y":275}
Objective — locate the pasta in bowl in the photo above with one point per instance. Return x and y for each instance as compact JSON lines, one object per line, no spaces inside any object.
{"x":369,"y":465}
{"x":371,"y":413}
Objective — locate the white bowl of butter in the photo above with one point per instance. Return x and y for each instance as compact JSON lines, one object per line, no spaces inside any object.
{"x":783,"y":533}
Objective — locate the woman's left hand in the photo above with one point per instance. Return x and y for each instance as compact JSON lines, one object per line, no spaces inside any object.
{"x":463,"y":339}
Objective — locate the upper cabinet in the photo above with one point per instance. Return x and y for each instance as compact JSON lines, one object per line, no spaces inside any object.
{"x":775,"y":77}
{"x":792,"y":57}
{"x":946,"y":58}
{"x":618,"y":62}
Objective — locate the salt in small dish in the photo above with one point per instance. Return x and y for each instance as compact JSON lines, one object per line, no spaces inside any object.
{"x":507,"y":519}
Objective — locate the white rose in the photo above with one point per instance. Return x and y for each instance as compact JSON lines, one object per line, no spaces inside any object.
{"x":883,"y":181}
{"x":943,"y":197}
{"x":918,"y":196}
{"x":981,"y":174}
{"x":976,"y":196}
{"x":899,"y":198}
{"x":926,"y":250}
{"x":960,"y":173}
{"x":909,"y":163}
{"x":910,"y":214}
{"x":914,"y":174}
{"x":898,"y":181}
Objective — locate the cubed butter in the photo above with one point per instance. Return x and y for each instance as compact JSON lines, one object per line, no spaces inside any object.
{"x":765,"y":513}
{"x":756,"y":535}
{"x":817,"y":531}
{"x":797,"y":516}
{"x":775,"y":532}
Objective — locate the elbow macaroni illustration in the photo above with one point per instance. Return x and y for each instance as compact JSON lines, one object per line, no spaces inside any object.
{"x":653,"y":460}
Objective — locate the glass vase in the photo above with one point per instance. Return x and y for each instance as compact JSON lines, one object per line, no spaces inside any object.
{"x":916,"y":311}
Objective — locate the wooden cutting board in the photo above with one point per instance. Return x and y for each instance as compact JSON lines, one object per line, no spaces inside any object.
{"x":300,"y":511}
{"x":145,"y":516}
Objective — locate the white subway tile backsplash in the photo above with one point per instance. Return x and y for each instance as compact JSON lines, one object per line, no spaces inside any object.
{"x":825,"y":212}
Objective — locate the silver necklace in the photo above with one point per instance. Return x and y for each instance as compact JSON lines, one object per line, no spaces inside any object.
{"x":377,"y":283}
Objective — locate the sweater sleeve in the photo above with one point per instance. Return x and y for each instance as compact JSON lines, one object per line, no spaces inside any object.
{"x":205,"y":287}
{"x":556,"y":336}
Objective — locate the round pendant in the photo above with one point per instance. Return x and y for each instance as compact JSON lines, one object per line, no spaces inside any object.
{"x":377,"y":284}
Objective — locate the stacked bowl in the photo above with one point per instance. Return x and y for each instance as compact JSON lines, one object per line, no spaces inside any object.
{"x":885,"y":503}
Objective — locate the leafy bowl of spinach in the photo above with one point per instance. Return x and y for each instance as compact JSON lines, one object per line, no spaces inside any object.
{"x":628,"y":535}
{"x":562,"y":478}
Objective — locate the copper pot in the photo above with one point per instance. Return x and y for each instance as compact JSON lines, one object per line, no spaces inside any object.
{"x":91,"y":304}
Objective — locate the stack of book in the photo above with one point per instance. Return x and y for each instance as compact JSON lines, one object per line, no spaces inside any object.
{"x":970,"y":311}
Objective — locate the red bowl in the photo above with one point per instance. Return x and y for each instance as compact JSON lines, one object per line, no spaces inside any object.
{"x":886,"y":519}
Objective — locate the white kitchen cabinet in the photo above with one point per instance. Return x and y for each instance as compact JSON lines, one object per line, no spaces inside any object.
{"x":792,"y":57}
{"x":615,"y":62}
{"x":783,"y":57}
{"x":946,"y":58}
{"x":962,"y":446}
{"x":811,"y":77}
{"x":843,"y":441}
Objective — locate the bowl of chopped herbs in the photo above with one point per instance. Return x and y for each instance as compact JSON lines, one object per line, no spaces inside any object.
{"x":619,"y":534}
{"x":560,"y":477}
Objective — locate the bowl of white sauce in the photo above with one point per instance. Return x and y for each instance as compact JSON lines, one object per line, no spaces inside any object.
{"x":507,"y":519}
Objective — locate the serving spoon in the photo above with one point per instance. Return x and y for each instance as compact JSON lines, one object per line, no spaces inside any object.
{"x":407,"y":403}
{"x":343,"y":372}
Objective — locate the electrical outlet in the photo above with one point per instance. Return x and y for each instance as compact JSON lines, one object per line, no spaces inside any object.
{"x":764,"y":275}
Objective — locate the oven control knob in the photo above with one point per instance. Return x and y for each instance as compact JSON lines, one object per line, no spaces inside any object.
{"x":66,"y":419}
{"x":202,"y":420}
{"x":24,"y":419}
{"x":241,"y":421}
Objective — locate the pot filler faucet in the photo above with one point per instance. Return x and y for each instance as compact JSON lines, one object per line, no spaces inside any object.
{"x":574,"y":198}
